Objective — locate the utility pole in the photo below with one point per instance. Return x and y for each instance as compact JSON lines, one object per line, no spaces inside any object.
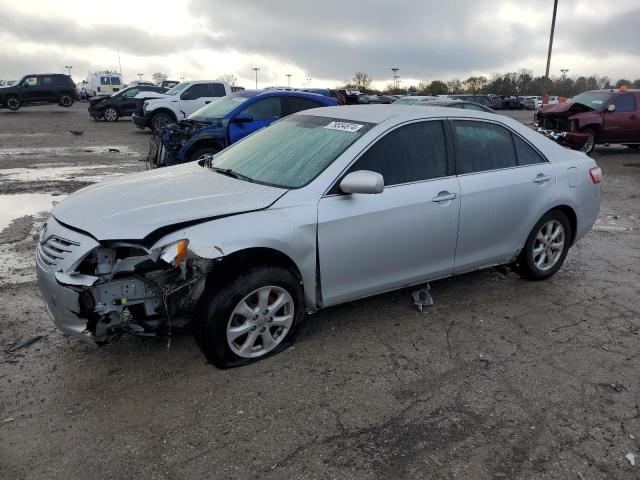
{"x":69,"y":67}
{"x":288,"y":79}
{"x":255,"y":69}
{"x":553,"y":27}
{"x":395,"y":79}
{"x":119,"y":63}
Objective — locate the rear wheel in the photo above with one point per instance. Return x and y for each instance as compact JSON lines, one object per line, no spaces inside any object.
{"x":13,"y":103}
{"x":110,"y":114}
{"x":66,"y":100}
{"x":591,"y":141}
{"x":160,"y":120}
{"x":203,"y":153}
{"x":546,"y":248}
{"x":254,"y":316}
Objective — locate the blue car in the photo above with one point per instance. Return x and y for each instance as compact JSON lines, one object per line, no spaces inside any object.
{"x":225,"y":121}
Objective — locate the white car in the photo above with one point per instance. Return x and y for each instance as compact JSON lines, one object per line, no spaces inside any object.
{"x":178,"y":103}
{"x":99,"y":84}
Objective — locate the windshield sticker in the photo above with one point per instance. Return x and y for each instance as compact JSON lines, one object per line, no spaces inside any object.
{"x":344,"y":126}
{"x":597,"y":102}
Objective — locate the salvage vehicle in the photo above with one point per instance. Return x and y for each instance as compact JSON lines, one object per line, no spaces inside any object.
{"x":121,"y":104}
{"x":178,"y":103}
{"x":323,"y":207}
{"x":38,"y":89}
{"x":593,"y":118}
{"x":454,"y":104}
{"x":413,"y":99}
{"x":225,"y":121}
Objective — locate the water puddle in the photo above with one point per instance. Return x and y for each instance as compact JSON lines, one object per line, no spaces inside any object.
{"x":89,"y":173}
{"x":19,"y":205}
{"x":66,"y":151}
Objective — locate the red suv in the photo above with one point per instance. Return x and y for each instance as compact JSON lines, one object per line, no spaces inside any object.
{"x":592,"y":118}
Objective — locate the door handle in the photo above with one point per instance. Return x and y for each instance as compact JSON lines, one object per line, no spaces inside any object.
{"x":633,"y":117}
{"x":542,"y":178}
{"x":444,"y":197}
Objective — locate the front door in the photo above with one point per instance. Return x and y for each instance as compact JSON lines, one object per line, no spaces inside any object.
{"x":261,"y":113}
{"x":505,"y":186}
{"x":405,"y":235}
{"x":193,"y":98}
{"x":127,"y":103}
{"x":31,"y":89}
{"x":621,"y":124}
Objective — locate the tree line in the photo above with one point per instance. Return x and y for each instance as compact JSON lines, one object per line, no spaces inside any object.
{"x":522,"y":82}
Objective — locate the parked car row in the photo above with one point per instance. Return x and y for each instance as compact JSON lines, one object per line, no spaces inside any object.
{"x":325,"y":206}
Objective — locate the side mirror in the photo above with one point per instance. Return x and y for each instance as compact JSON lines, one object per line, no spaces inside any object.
{"x":242,"y":118}
{"x":362,"y":181}
{"x":611,"y":108}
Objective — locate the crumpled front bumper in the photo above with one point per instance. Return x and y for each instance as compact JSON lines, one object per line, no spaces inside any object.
{"x":140,"y":121}
{"x":572,"y":140}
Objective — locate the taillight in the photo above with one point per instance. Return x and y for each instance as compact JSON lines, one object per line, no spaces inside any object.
{"x":596,"y":174}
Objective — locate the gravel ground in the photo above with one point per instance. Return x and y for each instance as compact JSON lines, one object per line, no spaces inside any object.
{"x":502,"y":378}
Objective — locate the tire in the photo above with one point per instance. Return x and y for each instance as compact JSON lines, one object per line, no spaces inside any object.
{"x":13,"y":103}
{"x":66,"y":100}
{"x":110,"y":114}
{"x":213,"y":330}
{"x":591,"y":142}
{"x":531,"y":264}
{"x":203,"y":151}
{"x":160,"y":120}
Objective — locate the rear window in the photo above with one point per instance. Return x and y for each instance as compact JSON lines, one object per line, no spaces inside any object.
{"x":104,"y":81}
{"x":482,"y":146}
{"x":217,"y":90}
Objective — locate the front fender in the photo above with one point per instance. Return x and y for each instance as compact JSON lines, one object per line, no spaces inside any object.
{"x":290,"y":231}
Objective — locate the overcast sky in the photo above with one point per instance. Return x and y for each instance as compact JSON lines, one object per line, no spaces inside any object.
{"x":324,"y":40}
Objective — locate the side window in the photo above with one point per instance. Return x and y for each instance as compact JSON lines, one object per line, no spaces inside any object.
{"x":195,"y":91}
{"x":482,"y":146}
{"x":131,"y":93}
{"x":47,"y":81}
{"x":410,"y":153}
{"x":525,"y":153}
{"x":266,"y":109}
{"x":104,"y":80}
{"x":216,"y":90}
{"x":30,"y":82}
{"x":625,"y":103}
{"x":115,"y":81}
{"x":297,"y":104}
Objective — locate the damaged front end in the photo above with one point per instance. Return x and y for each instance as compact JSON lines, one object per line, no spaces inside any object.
{"x":166,"y":147}
{"x":561,"y":123}
{"x":122,"y":287}
{"x":572,"y":140}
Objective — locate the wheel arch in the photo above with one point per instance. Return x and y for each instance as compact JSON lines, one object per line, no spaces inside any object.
{"x":571,"y":215}
{"x":202,"y":143}
{"x":166,"y":110}
{"x":595,"y":127}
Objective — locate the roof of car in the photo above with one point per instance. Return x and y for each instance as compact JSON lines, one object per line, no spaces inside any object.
{"x":280,"y":93}
{"x":380,"y":113}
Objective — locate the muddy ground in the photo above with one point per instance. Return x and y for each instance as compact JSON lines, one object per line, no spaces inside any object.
{"x":502,"y":378}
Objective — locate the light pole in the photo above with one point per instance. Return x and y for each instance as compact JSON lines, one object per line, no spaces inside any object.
{"x":395,"y":79}
{"x":140,"y":75}
{"x":288,"y":75}
{"x":308,"y":81}
{"x":69,"y":67}
{"x":564,"y":73}
{"x":256,"y":69}
{"x":553,"y":27}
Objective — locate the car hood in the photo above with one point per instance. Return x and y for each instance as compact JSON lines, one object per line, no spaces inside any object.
{"x":564,"y":109}
{"x":134,"y":206}
{"x":146,"y":94}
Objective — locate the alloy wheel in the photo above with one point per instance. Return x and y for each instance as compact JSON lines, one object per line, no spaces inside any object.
{"x":66,"y":101}
{"x":548,"y":245}
{"x":110,"y":115}
{"x":260,"y":322}
{"x":160,"y":122}
{"x":589,"y":145}
{"x":13,"y":104}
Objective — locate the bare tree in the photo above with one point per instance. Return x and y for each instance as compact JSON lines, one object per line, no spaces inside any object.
{"x":159,"y":77}
{"x":229,"y":78}
{"x":362,"y":80}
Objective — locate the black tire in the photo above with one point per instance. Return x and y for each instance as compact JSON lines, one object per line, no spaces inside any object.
{"x":110,"y":114}
{"x":211,"y":327}
{"x":203,"y":151}
{"x":591,"y":142}
{"x":13,"y":103}
{"x":160,"y":120}
{"x":66,"y":100}
{"x":526,"y":264}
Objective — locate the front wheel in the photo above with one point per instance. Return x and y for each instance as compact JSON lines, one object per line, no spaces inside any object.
{"x":110,"y":114}
{"x":159,"y":121}
{"x":203,"y":153}
{"x":254,"y":316}
{"x":591,"y":141}
{"x":546,"y":248}
{"x":66,"y":100}
{"x":13,"y":103}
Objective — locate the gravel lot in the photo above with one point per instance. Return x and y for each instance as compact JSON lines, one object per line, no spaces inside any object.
{"x":502,"y":378}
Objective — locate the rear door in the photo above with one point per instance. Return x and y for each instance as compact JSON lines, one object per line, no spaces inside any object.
{"x":293,"y":104}
{"x":263,"y":112}
{"x":621,"y":125}
{"x":406,"y":234}
{"x":505,"y":186}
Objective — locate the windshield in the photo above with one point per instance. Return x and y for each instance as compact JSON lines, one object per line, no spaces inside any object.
{"x":594,"y":100}
{"x":292,"y":152}
{"x":406,"y":101}
{"x":177,"y":89}
{"x":217,"y":108}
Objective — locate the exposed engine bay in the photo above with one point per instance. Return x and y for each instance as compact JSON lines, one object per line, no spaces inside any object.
{"x":164,"y":146}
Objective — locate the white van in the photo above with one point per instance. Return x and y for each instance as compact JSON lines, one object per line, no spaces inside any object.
{"x":99,"y":84}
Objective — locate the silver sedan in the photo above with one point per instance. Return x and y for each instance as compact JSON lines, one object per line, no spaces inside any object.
{"x":320,"y":208}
